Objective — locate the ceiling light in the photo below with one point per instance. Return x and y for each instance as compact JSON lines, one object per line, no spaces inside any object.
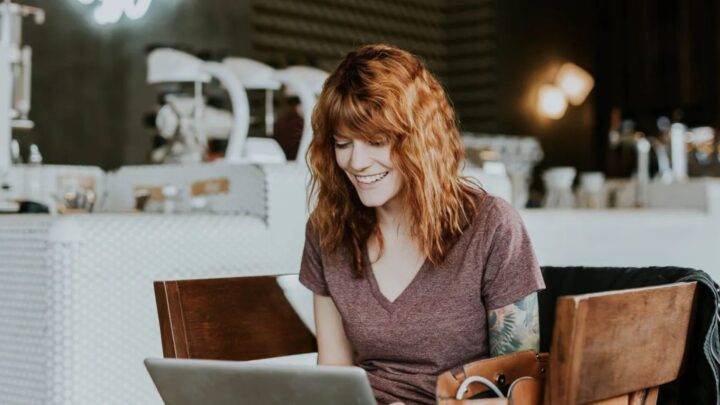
{"x":111,"y":11}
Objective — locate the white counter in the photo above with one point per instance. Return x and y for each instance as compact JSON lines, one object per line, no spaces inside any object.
{"x":657,"y":236}
{"x":77,"y":306}
{"x":626,"y":238}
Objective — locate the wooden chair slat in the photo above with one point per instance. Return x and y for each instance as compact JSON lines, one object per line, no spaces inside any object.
{"x":240,"y":318}
{"x":615,"y":343}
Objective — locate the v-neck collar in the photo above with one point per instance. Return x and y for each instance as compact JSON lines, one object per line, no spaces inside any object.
{"x":375,"y":287}
{"x":390,"y":306}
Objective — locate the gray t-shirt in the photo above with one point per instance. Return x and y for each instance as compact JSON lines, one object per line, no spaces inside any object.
{"x":438,"y":322}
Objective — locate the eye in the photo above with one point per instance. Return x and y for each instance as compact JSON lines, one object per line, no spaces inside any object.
{"x":342,"y":145}
{"x":378,"y":143}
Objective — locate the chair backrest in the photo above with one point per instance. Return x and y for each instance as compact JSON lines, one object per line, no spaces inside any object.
{"x":240,"y":318}
{"x":614,"y":343}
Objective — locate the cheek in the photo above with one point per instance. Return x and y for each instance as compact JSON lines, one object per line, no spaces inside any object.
{"x":341,"y":157}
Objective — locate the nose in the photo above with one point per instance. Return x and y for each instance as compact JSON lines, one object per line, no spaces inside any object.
{"x":360,"y":157}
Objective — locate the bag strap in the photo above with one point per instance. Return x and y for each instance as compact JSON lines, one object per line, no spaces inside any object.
{"x":476,"y":378}
{"x":499,"y":370}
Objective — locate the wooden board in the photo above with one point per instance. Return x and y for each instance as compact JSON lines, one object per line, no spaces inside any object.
{"x":613,"y":343}
{"x":240,"y":318}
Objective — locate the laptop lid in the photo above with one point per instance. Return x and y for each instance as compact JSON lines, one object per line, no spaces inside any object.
{"x":204,"y":382}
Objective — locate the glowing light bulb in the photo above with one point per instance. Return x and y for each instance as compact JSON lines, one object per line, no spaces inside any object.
{"x":552,"y":102}
{"x":575,"y":82}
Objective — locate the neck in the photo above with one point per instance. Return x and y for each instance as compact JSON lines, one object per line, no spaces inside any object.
{"x":392,"y":217}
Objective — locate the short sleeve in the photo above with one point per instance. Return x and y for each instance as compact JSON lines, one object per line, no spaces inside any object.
{"x":511,"y":267}
{"x":312,"y":275}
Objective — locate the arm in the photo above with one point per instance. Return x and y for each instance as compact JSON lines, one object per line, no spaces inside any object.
{"x":334,"y":348}
{"x":514,"y":327}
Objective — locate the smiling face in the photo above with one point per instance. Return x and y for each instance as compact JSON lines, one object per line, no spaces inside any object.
{"x":370,"y":169}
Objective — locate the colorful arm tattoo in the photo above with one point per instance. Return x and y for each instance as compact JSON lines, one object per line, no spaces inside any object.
{"x":514,"y":327}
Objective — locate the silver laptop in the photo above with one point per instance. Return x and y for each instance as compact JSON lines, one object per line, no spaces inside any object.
{"x":205,"y":382}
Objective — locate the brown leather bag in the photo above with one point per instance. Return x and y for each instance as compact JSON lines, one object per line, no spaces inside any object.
{"x":521,"y":375}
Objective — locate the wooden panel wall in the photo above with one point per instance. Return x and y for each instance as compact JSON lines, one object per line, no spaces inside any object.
{"x":471,"y":73}
{"x":320,"y":32}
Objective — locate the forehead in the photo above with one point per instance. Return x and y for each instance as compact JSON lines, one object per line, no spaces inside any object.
{"x":371,"y":133}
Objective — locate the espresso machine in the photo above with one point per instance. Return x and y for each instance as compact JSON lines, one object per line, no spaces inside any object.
{"x":15,"y":79}
{"x":186,"y":121}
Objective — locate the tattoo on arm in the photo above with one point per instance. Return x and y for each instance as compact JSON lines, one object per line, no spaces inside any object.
{"x":514,"y":327}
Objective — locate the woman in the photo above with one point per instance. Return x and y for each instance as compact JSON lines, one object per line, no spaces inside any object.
{"x":414,"y":269}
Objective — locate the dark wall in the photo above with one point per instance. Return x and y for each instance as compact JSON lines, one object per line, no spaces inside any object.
{"x":471,"y":73}
{"x":534,"y":39}
{"x":320,"y":32}
{"x":648,"y":58}
{"x":662,"y":59}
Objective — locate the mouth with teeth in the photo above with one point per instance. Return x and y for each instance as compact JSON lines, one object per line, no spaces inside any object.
{"x":371,"y":179}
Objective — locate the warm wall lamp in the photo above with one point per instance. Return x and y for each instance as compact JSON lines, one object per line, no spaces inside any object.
{"x":575,"y":82}
{"x":572,"y":84}
{"x":552,"y":102}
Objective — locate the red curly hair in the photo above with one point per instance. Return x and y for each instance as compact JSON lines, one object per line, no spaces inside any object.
{"x":380,"y":93}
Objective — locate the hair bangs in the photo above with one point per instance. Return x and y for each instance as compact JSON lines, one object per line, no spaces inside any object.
{"x":357,"y":118}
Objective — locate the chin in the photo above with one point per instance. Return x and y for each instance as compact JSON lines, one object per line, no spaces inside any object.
{"x":373,"y":201}
{"x":376,"y":198}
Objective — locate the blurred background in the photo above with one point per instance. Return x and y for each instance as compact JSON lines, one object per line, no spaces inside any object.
{"x":648,"y":59}
{"x":164,"y":140}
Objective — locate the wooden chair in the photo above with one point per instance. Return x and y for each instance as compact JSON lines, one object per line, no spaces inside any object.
{"x":242,"y":318}
{"x":617,"y":347}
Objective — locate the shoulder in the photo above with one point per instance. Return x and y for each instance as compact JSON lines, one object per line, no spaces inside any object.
{"x":493,"y":212}
{"x":496,"y":222}
{"x":313,"y":241}
{"x":502,"y":210}
{"x":312,"y":235}
{"x":309,"y":227}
